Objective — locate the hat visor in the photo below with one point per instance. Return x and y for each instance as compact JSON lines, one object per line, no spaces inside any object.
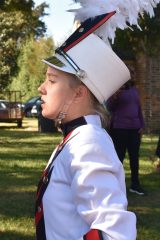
{"x":59,"y":63}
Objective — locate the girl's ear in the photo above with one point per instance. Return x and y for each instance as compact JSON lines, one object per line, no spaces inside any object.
{"x":80,"y":93}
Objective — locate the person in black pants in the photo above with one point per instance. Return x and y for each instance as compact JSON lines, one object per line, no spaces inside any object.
{"x":126,"y":129}
{"x":157,"y":153}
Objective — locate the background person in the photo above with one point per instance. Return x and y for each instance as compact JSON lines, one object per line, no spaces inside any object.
{"x":157,"y":154}
{"x":126,"y":128}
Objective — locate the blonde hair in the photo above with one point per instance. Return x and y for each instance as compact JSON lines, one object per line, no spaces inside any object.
{"x":97,"y":107}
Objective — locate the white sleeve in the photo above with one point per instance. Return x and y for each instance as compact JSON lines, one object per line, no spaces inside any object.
{"x":98,"y":188}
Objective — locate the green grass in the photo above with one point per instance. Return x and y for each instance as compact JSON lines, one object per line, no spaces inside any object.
{"x":147,"y":208}
{"x":23,"y":155}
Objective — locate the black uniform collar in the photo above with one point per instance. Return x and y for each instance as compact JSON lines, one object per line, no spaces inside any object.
{"x":70,"y":126}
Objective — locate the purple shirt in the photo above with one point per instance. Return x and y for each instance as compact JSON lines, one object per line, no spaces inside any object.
{"x":125,"y":109}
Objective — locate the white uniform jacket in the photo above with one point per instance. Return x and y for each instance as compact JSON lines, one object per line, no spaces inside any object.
{"x":86,"y":189}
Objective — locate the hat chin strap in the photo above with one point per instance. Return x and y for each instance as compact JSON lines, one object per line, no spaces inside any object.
{"x":60,"y":117}
{"x":63,"y":113}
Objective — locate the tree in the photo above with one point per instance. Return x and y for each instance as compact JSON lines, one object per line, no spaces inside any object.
{"x":18,"y":20}
{"x":146,"y":41}
{"x":32,"y":70}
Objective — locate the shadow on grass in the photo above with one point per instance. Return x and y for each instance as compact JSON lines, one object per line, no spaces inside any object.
{"x":35,"y":152}
{"x":151,"y":185}
{"x":147,"y":207}
{"x":10,"y":127}
{"x":11,"y":235}
{"x":18,"y":178}
{"x":17,"y":204}
{"x":24,"y":134}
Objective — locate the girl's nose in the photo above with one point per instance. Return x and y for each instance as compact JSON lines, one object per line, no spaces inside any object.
{"x":41,"y":89}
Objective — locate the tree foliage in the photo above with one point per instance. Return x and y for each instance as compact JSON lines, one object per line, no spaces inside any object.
{"x":32,"y":70}
{"x":146,"y":41}
{"x":18,"y":20}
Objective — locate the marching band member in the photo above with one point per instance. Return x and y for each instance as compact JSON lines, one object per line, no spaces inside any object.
{"x":82,"y":193}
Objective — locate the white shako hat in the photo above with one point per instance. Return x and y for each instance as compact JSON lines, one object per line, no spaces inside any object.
{"x":91,"y":59}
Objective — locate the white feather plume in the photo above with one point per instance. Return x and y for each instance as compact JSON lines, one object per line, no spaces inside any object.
{"x":127,"y":13}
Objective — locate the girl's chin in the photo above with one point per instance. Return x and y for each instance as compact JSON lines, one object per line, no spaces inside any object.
{"x":47,"y":115}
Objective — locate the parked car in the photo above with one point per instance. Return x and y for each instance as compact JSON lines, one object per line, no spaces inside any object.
{"x":36,"y":109}
{"x":29,"y":104}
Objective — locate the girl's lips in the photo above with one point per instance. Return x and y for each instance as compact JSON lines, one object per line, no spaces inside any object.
{"x":42,"y":101}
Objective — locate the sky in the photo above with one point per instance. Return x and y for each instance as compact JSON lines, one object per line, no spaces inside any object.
{"x":59,"y":22}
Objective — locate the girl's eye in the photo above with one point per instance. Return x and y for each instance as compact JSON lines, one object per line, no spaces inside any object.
{"x":51,"y":80}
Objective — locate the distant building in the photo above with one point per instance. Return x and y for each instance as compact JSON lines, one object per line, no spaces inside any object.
{"x":148,"y":81}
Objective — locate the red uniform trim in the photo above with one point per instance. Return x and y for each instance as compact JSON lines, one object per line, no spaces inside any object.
{"x":39,"y":214}
{"x":93,"y":234}
{"x":45,"y":173}
{"x":90,"y":31}
{"x":65,"y":139}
